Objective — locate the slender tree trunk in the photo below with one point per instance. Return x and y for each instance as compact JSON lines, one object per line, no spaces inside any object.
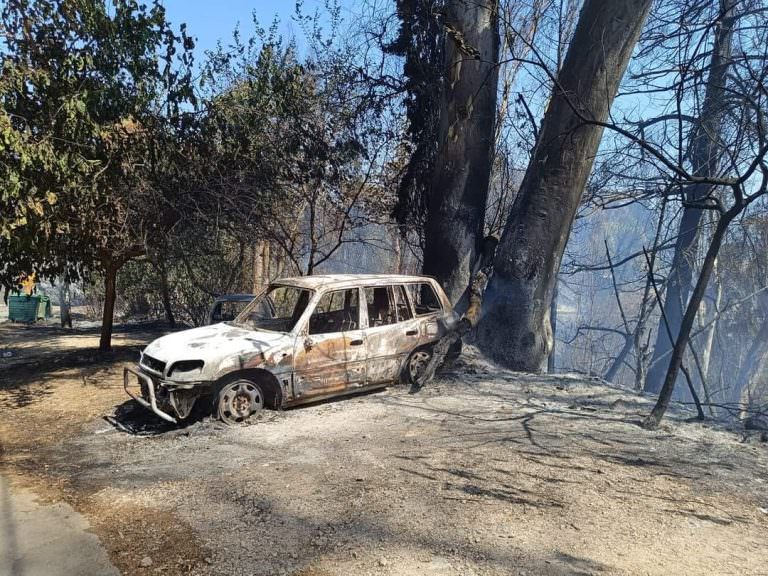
{"x":665,"y":395}
{"x":516,"y":329}
{"x":65,"y":301}
{"x":619,"y":361}
{"x":459,"y":189}
{"x":705,"y":152}
{"x":551,"y":368}
{"x":641,"y":358}
{"x":709,"y":338}
{"x":261,"y":261}
{"x":641,"y":342}
{"x":110,"y":295}
{"x":397,"y":248}
{"x":165,"y":293}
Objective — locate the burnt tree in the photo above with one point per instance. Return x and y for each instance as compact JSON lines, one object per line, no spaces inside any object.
{"x":515,"y":329}
{"x":705,"y":152}
{"x":459,"y":184}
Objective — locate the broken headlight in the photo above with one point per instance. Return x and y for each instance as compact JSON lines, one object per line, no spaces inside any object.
{"x":186,"y":369}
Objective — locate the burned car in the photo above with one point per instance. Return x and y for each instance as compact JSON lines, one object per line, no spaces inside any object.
{"x":303,"y":339}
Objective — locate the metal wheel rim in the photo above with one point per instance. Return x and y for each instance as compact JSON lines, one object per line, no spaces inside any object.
{"x":239,"y":400}
{"x":418,"y":363}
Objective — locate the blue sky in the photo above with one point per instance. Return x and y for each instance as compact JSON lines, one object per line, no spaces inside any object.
{"x":211,"y":21}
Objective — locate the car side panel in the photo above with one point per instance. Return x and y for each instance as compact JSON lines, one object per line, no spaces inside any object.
{"x":320,"y":368}
{"x":384,"y":357}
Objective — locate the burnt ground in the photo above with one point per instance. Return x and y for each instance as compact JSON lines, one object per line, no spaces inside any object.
{"x":484,"y":472}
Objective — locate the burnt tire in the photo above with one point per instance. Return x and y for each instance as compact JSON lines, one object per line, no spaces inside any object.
{"x":237,"y":400}
{"x":416,"y":363}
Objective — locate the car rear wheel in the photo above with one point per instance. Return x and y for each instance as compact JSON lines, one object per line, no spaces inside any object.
{"x":417,"y":363}
{"x":237,"y":401}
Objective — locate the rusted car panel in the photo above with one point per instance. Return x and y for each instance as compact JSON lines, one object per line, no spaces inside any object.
{"x":302,"y":340}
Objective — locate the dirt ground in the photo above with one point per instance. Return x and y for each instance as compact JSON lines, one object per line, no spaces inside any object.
{"x":486,"y":472}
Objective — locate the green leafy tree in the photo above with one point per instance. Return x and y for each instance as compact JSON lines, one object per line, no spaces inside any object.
{"x":289,"y":148}
{"x":93,"y":99}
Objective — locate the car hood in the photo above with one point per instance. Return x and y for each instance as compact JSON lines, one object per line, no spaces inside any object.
{"x":215,"y":345}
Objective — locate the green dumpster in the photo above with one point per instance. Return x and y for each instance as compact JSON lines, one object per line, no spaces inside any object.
{"x":25,"y":308}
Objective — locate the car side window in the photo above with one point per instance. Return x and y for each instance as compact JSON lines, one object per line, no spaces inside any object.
{"x":425,"y":301}
{"x":402,"y":308}
{"x":336,"y":311}
{"x":381,"y":310}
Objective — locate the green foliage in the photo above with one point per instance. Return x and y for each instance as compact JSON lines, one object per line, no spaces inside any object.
{"x":90,"y":91}
{"x":283,"y":146}
{"x":114,"y":162}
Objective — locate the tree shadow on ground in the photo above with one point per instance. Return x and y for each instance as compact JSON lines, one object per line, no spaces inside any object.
{"x":554,"y":425}
{"x":23,"y":385}
{"x":29,"y":345}
{"x":469,"y":486}
{"x":30,"y":376}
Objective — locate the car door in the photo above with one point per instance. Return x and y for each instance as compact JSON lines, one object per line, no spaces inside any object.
{"x":320,"y":357}
{"x":391,"y":332}
{"x":428,"y":309}
{"x":354,"y":338}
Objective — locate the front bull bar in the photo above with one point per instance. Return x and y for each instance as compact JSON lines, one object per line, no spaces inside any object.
{"x":152,"y":404}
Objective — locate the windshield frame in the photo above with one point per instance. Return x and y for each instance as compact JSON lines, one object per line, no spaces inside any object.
{"x":241,"y":320}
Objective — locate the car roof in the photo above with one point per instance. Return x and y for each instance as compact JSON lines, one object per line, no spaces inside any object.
{"x":342,"y":280}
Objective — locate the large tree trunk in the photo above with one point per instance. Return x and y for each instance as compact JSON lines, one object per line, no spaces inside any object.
{"x":110,"y":294}
{"x":516,"y":329}
{"x":704,"y":161}
{"x":459,"y":188}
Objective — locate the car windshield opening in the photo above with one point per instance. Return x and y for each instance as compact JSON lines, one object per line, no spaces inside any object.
{"x":277,"y":310}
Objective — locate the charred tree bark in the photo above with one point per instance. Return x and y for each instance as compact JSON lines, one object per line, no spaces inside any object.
{"x":459,"y":187}
{"x":705,"y":151}
{"x":475,"y":291}
{"x":516,"y":329}
{"x":110,"y":295}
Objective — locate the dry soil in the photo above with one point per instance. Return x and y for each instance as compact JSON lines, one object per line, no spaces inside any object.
{"x":485,"y":472}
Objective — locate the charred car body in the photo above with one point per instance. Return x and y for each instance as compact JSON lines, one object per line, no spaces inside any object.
{"x":303,"y":339}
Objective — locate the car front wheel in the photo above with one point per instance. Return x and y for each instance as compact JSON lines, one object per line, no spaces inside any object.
{"x":238,"y":400}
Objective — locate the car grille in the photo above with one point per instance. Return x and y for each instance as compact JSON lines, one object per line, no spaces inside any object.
{"x":153,"y":364}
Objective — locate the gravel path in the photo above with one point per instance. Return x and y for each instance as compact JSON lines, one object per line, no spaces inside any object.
{"x":485,"y":472}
